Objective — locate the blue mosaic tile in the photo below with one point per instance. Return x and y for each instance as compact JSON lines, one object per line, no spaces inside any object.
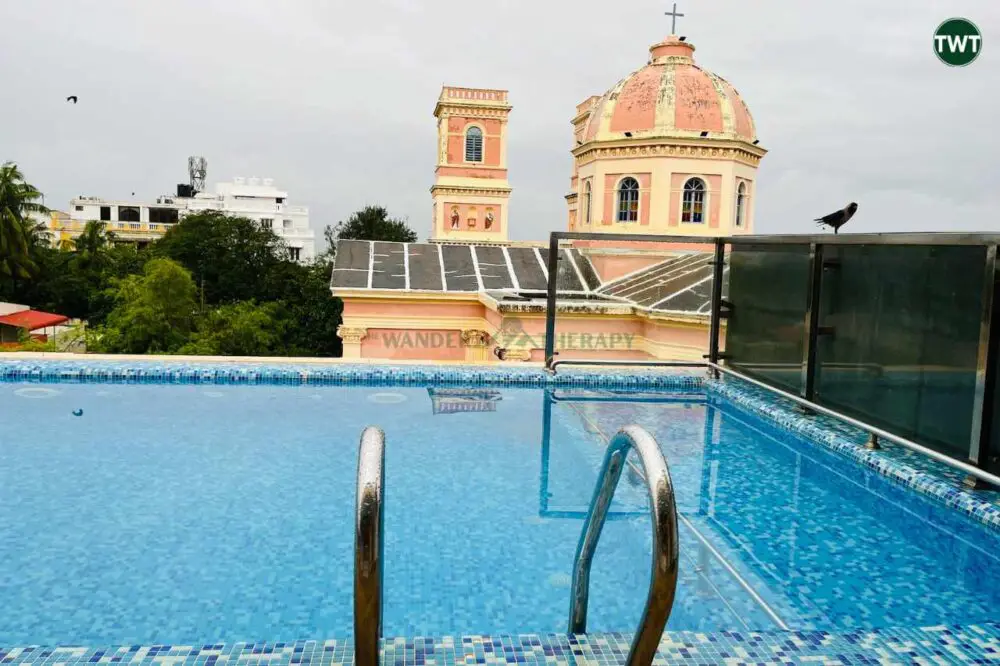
{"x":822,"y":539}
{"x":942,"y":644}
{"x":901,"y":465}
{"x":169,"y":372}
{"x":975,"y":644}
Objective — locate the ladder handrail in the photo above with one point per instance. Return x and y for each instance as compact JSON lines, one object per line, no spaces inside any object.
{"x":369,"y":546}
{"x":663,"y":509}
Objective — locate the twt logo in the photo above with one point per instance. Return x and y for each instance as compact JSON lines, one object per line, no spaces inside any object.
{"x":957,"y":42}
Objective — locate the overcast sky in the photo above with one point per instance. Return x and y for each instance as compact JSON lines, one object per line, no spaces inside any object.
{"x":334,"y":99}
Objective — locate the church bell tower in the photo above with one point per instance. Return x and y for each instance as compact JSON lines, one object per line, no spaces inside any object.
{"x":470,"y":190}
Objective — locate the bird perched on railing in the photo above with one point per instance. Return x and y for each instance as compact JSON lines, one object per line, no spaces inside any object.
{"x":838,"y":219}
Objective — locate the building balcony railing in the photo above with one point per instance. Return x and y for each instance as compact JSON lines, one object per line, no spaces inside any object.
{"x":258,"y":208}
{"x":76,"y":227}
{"x":295,"y":233}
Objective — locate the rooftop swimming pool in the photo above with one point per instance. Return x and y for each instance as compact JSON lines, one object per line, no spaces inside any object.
{"x":212,"y":512}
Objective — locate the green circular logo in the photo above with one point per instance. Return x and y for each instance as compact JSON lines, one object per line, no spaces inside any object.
{"x":957,"y":42}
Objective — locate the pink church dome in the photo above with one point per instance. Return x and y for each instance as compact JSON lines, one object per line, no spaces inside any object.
{"x":671,"y":97}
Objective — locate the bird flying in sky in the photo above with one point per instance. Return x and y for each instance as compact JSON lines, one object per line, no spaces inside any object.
{"x":71,"y":98}
{"x":838,"y":219}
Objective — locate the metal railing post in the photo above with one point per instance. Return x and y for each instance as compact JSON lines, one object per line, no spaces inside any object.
{"x":369,"y":546}
{"x":663,"y":509}
{"x":715,"y":323}
{"x":986,"y":370}
{"x":811,"y":332}
{"x":543,"y":485}
{"x":550,"y":300}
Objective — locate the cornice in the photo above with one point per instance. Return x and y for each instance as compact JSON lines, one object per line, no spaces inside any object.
{"x":732,"y":150}
{"x":468,"y":190}
{"x":472,"y":110}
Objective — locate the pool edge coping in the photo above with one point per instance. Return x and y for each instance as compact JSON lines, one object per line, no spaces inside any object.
{"x":170,"y":370}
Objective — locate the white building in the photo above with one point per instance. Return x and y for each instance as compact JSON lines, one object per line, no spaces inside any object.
{"x":254,"y":198}
{"x":260,"y":200}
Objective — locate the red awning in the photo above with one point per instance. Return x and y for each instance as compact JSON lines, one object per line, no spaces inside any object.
{"x":33,"y":320}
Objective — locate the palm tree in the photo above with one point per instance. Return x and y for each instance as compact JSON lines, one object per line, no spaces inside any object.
{"x":37,"y":233}
{"x":93,"y":241}
{"x":19,"y":200}
{"x":92,"y":244}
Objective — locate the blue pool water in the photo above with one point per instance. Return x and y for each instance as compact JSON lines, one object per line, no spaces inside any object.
{"x":202,"y":513}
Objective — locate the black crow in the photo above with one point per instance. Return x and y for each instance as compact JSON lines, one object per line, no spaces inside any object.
{"x":71,"y":98}
{"x":838,"y":219}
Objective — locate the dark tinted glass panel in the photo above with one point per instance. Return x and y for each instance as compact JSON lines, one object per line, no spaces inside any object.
{"x":768,"y":287}
{"x":902,"y":354}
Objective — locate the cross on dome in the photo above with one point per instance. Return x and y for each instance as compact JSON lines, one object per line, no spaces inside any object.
{"x":673,"y":19}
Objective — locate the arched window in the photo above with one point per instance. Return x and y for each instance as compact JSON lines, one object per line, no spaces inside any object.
{"x":474,"y":145}
{"x":693,"y":204}
{"x":128,"y":214}
{"x":741,"y":204}
{"x":586,"y":202}
{"x":628,"y":200}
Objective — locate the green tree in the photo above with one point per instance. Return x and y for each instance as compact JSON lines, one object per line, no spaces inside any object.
{"x":240,"y":329}
{"x":229,"y":257}
{"x":370,"y":223}
{"x":310,"y":311}
{"x":114,"y":262}
{"x":58,"y":286}
{"x":19,"y":200}
{"x":93,"y":243}
{"x":154,"y":312}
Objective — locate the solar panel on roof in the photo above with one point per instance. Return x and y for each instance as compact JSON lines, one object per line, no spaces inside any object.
{"x":388,"y":266}
{"x":680,"y":284}
{"x":696,"y":299}
{"x":459,"y":271}
{"x":663,"y":288}
{"x":493,"y":267}
{"x":350,"y":266}
{"x":587,"y":270}
{"x":566,"y":279}
{"x":425,"y":266}
{"x":529,"y":272}
{"x":629,"y":285}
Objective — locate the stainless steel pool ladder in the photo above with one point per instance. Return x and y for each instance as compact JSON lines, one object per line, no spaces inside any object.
{"x":369,"y":545}
{"x":663,"y":509}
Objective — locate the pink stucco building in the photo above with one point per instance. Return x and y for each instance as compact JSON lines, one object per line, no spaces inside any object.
{"x":669,"y":149}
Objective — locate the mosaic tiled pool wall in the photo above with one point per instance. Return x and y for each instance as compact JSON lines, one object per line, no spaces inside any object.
{"x":166,"y":372}
{"x":901,"y":465}
{"x":936,"y":645}
{"x":906,"y":467}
